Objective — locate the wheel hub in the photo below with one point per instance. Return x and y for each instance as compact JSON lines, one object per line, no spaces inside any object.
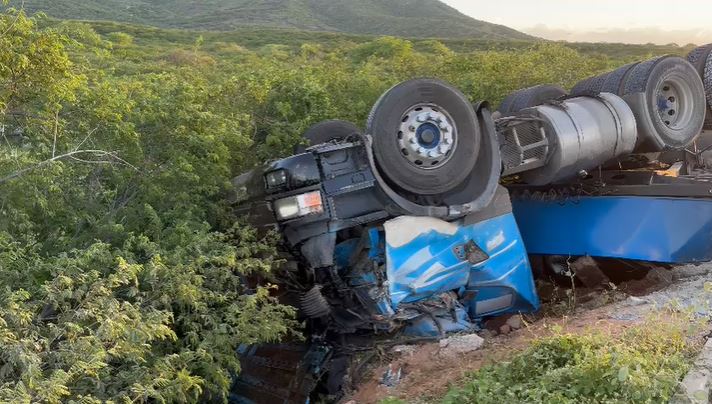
{"x":672,"y":100}
{"x":427,"y":136}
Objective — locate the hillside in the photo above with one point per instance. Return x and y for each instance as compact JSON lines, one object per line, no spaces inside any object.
{"x":410,"y":18}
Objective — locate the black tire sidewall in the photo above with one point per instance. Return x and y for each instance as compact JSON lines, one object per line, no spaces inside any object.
{"x":326,"y":131}
{"x":384,"y":123}
{"x":531,"y":97}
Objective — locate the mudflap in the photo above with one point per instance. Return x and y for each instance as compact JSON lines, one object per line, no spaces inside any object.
{"x":280,"y":373}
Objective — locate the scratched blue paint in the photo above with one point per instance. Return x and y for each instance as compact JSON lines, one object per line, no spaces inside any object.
{"x":657,"y":229}
{"x":427,"y":266}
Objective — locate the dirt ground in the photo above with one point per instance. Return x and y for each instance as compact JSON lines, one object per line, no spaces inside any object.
{"x":427,"y":373}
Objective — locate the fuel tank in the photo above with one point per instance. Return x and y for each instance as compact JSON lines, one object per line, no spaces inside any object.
{"x":583,"y":133}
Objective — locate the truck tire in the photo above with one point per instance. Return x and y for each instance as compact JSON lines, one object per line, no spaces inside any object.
{"x":326,"y":131}
{"x":667,"y":97}
{"x":530,"y":97}
{"x":426,"y":136}
{"x":698,"y":58}
{"x":701,"y":59}
{"x":611,"y":82}
{"x":590,"y":87}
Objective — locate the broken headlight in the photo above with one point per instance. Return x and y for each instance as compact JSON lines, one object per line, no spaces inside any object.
{"x":299,"y":205}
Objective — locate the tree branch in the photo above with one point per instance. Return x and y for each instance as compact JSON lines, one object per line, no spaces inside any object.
{"x":17,"y":17}
{"x":70,"y":155}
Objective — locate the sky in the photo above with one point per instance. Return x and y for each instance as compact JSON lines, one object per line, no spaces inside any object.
{"x":629,"y":21}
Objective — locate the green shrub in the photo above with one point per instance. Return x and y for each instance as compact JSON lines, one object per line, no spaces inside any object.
{"x":642,"y":365}
{"x":134,"y":324}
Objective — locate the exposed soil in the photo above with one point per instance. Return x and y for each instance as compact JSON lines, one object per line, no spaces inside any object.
{"x":427,"y":374}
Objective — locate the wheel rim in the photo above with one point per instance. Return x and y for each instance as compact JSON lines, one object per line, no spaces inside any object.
{"x":674,"y":101}
{"x":427,"y":136}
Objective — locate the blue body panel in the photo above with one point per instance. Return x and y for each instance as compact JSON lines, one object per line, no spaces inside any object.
{"x":427,"y":266}
{"x":504,"y":282}
{"x":657,"y":229}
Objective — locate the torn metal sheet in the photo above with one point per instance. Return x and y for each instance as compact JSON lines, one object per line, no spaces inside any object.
{"x":485,"y":261}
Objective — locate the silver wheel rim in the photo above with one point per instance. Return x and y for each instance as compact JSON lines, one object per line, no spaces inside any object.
{"x":674,"y":101}
{"x":427,"y":136}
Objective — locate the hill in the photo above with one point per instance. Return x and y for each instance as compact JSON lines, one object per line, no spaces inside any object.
{"x":409,"y":18}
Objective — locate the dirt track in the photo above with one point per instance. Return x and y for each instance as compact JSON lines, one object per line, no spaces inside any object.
{"x":427,"y":373}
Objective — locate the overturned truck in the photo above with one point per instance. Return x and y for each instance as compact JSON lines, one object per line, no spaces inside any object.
{"x":426,"y":222}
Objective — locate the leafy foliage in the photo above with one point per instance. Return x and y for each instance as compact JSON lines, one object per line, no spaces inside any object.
{"x":418,"y":18}
{"x":122,"y":273}
{"x":643,"y":365}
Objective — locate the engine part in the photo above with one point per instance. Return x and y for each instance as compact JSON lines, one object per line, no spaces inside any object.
{"x":314,"y":304}
{"x":585,"y":133}
{"x":523,"y":144}
{"x":284,"y":373}
{"x":426,"y":137}
{"x":326,"y":131}
{"x":530,"y":97}
{"x":701,"y":59}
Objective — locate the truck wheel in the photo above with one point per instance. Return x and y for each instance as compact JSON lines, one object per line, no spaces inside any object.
{"x":326,"y":131}
{"x":612,"y":82}
{"x":591,"y":86}
{"x":426,"y":136}
{"x":667,"y":97}
{"x":698,"y":58}
{"x":701,"y":59}
{"x":530,"y":97}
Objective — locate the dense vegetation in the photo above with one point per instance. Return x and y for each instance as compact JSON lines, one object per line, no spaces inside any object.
{"x":417,"y":18}
{"x":123,"y":274}
{"x":642,"y":365}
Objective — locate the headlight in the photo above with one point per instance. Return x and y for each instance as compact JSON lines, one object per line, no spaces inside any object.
{"x":299,"y":205}
{"x":276,"y":178}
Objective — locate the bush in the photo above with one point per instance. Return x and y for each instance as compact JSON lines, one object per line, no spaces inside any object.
{"x":643,"y":365}
{"x":133,"y":324}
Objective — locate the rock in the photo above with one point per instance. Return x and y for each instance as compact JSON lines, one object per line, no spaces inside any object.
{"x":460,"y":344}
{"x":494,"y":323}
{"x":588,"y":272}
{"x":405,"y":349}
{"x":696,"y":386}
{"x":636,"y":301}
{"x":486,"y":334}
{"x":505,"y":329}
{"x":514,"y":322}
